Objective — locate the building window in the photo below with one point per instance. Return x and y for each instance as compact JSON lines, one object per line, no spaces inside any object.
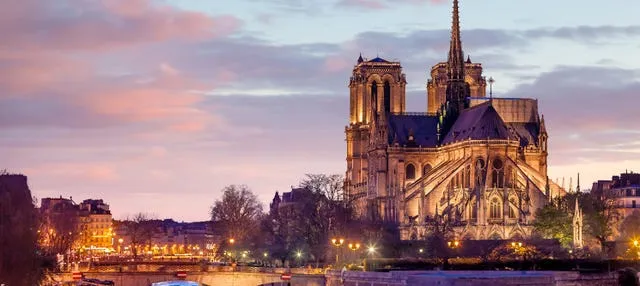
{"x":633,"y":204}
{"x":474,"y":210}
{"x":374,"y":97}
{"x":387,"y":97}
{"x":494,"y":210}
{"x":411,"y":172}
{"x":426,"y":169}
{"x":498,"y":173}
{"x":512,"y":212}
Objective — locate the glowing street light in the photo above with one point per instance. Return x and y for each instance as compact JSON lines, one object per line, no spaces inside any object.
{"x":371,"y":249}
{"x":232,"y":241}
{"x":337,"y":242}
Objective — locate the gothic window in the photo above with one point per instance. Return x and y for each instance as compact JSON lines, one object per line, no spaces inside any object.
{"x":387,"y":97}
{"x":374,"y":96}
{"x":512,"y":212}
{"x":495,"y":209}
{"x":474,"y":210}
{"x":497,"y":174}
{"x":411,"y":172}
{"x":426,"y":169}
{"x":480,"y":171}
{"x":467,"y":182}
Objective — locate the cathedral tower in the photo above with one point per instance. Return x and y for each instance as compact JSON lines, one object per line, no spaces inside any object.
{"x":377,"y":90}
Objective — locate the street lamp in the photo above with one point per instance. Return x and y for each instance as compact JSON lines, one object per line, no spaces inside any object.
{"x":453,"y":244}
{"x":371,"y":249}
{"x":337,"y":242}
{"x":354,"y":246}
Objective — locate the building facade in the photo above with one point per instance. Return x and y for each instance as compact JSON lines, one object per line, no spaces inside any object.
{"x":478,"y":163}
{"x":624,"y":189}
{"x":96,"y":227}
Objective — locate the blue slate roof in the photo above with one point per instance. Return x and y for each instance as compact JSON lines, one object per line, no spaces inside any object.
{"x":423,"y":128}
{"x":378,"y":60}
{"x":479,"y":122}
{"x":527,"y":132}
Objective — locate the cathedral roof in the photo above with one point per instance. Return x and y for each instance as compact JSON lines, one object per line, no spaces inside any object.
{"x":422,"y":127}
{"x":479,"y":122}
{"x":527,"y":132}
{"x":378,"y":60}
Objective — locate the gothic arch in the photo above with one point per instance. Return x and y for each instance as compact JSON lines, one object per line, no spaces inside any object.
{"x":426,"y":168}
{"x":497,"y":172}
{"x":388,"y":77}
{"x":374,"y":77}
{"x":516,"y":235}
{"x":495,"y":236}
{"x":495,"y":208}
{"x":386,"y":93}
{"x":410,"y":171}
{"x":373,"y":90}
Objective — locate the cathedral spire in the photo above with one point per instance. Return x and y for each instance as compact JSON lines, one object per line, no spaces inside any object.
{"x":456,"y":56}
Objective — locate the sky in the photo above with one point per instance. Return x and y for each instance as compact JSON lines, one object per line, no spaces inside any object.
{"x":156,"y":105}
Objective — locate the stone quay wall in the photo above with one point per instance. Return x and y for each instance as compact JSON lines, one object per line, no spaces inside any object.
{"x":468,"y":278}
{"x":357,"y":278}
{"x":205,"y":278}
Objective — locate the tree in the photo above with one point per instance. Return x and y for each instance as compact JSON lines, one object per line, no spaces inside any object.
{"x":630,"y":226}
{"x":601,"y":217}
{"x":20,"y":259}
{"x":140,"y":230}
{"x":555,"y":221}
{"x":238,"y":211}
{"x":59,"y":229}
{"x":331,"y":186}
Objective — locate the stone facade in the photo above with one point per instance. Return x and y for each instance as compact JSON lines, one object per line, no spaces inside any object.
{"x":478,"y":163}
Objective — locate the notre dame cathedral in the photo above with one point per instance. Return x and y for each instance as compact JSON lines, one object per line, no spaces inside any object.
{"x":476,"y":162}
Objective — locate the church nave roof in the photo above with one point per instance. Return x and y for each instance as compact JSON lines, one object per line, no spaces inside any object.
{"x":479,"y":123}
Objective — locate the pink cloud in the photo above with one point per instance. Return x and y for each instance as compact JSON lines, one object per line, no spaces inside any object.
{"x":100,"y":25}
{"x":76,"y":171}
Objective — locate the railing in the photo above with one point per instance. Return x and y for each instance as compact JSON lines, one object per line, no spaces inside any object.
{"x":515,"y":143}
{"x":412,"y":113}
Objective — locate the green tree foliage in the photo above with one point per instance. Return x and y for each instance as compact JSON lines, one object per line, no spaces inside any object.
{"x":600,"y":218}
{"x":630,"y":227}
{"x":238,"y":212}
{"x":554,"y":221}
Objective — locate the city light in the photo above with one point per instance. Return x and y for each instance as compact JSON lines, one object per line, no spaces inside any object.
{"x":371,"y":249}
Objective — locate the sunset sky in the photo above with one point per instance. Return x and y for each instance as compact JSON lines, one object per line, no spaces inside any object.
{"x":155,"y":106}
